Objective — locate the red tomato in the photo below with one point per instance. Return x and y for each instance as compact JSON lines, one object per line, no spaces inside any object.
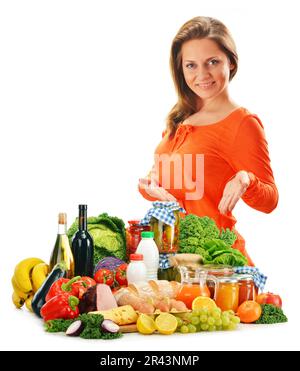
{"x":269,"y":298}
{"x":249,"y":311}
{"x":121,"y":275}
{"x":104,"y":276}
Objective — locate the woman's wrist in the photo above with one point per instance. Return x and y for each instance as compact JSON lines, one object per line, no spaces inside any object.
{"x":243,"y":178}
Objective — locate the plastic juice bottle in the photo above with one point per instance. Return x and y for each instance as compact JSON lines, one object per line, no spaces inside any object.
{"x":136,"y":270}
{"x":147,"y":247}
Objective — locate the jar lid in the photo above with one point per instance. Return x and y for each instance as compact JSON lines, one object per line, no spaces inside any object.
{"x":147,"y":234}
{"x":228,"y":279}
{"x":243,"y":277}
{"x":218,"y":270}
{"x":136,"y":257}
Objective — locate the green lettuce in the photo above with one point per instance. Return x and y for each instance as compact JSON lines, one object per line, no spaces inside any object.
{"x":200,"y":235}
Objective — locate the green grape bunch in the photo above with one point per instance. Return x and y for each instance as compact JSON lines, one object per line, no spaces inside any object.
{"x":207,"y":320}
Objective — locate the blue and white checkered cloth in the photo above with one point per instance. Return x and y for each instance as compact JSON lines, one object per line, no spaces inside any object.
{"x":164,"y":262}
{"x":163,"y":211}
{"x":258,"y":278}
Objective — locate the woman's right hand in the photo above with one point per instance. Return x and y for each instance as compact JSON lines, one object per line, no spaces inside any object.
{"x":154,"y":190}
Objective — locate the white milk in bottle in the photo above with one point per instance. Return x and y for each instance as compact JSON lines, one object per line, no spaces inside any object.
{"x":148,"y":248}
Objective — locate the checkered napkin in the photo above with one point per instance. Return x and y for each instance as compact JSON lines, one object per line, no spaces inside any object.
{"x":164,"y":262}
{"x":163,"y":211}
{"x":258,"y":278}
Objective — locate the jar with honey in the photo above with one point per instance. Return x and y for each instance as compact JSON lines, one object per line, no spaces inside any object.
{"x":216,"y":271}
{"x":227,"y":293}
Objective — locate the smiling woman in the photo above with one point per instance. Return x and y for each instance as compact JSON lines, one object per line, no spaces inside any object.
{"x":214,"y":151}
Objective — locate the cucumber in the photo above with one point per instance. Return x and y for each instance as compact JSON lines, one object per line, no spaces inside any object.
{"x":39,"y":298}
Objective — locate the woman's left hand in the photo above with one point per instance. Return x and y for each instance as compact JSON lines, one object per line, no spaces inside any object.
{"x":233,"y":191}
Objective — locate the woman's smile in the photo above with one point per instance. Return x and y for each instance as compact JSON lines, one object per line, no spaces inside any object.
{"x":206,"y":86}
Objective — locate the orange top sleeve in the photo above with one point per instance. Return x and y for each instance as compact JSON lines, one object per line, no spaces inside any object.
{"x":250,"y":152}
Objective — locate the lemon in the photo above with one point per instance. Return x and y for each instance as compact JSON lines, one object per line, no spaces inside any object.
{"x":166,"y":323}
{"x":145,"y":324}
{"x":201,"y":302}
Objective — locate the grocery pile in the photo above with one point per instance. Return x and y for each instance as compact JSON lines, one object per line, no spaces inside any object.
{"x":104,"y":280}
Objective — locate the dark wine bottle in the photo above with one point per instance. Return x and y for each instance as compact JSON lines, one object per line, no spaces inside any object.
{"x":83,"y":246}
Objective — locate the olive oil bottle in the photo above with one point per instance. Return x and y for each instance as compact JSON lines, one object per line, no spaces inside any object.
{"x":62,"y":251}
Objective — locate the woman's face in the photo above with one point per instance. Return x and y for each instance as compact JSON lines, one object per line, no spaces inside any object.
{"x":206,"y":68}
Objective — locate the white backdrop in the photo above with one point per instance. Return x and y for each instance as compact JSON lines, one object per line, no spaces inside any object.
{"x":85,"y":88}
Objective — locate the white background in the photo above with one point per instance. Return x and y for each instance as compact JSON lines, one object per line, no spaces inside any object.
{"x":85,"y":88}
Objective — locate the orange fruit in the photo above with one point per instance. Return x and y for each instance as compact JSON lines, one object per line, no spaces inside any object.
{"x":249,"y":311}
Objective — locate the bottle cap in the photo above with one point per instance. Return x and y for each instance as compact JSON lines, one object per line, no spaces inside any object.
{"x":82,"y":207}
{"x":147,"y":235}
{"x":136,"y":257}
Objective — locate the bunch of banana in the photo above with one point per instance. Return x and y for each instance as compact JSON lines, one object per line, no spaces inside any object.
{"x":28,"y":276}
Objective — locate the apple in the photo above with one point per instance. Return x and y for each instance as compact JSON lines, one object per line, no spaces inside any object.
{"x":269,"y":298}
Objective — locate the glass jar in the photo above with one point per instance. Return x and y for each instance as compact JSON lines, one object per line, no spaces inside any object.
{"x":247,"y":288}
{"x":166,"y":236}
{"x":133,"y":235}
{"x":216,"y":271}
{"x":227,"y":293}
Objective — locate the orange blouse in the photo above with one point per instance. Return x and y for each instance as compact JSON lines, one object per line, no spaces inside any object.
{"x":235,"y":143}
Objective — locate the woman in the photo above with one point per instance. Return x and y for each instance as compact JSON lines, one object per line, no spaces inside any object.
{"x":213,"y":151}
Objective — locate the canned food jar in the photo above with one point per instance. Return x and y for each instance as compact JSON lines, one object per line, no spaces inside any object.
{"x":166,"y":236}
{"x":227,"y":293}
{"x":216,"y":271}
{"x":133,"y":235}
{"x":247,"y":288}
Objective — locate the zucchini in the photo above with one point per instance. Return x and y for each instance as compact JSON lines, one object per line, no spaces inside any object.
{"x":39,"y":298}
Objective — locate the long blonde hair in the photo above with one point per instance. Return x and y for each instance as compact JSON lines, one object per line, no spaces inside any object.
{"x":196,"y":28}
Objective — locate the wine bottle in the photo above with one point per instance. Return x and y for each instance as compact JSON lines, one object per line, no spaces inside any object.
{"x":83,"y":246}
{"x":62,"y":250}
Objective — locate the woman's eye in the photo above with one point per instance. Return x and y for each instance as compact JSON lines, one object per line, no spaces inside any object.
{"x":189,"y":65}
{"x":213,"y":62}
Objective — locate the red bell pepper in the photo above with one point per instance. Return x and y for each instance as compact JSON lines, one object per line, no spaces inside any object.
{"x":81,"y":286}
{"x":62,"y":286}
{"x":62,"y":306}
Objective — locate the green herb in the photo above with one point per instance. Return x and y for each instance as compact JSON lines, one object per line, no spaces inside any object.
{"x":271,"y":314}
{"x":92,"y":326}
{"x":58,"y":325}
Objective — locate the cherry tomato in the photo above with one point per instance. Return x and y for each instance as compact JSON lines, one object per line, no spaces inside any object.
{"x":249,"y":311}
{"x":104,"y":276}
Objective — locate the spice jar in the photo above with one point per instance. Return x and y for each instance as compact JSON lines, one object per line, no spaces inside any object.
{"x":133,"y":235}
{"x":247,"y":288}
{"x":227,"y":293}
